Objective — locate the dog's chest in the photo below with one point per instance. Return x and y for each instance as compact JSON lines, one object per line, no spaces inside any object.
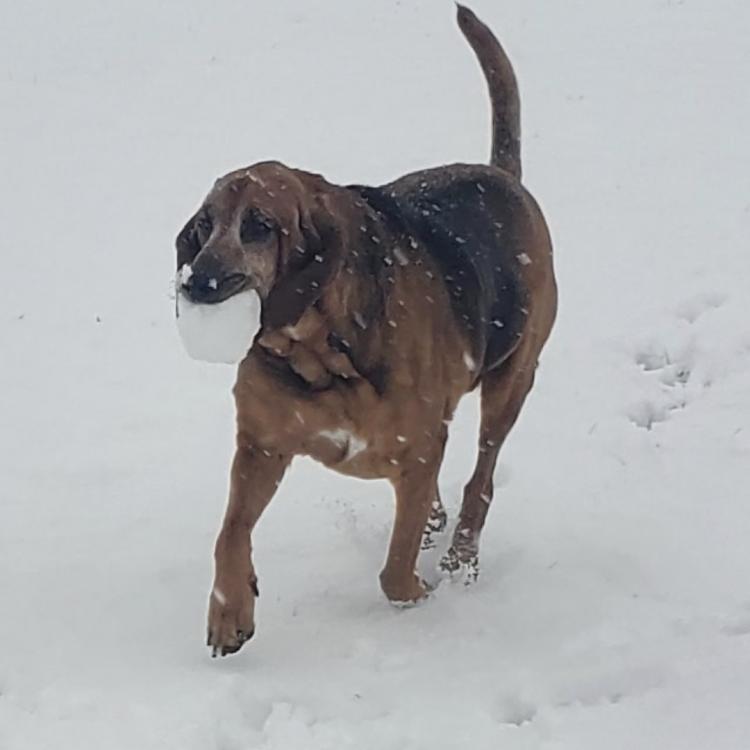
{"x":368,"y":452}
{"x":352,"y":428}
{"x":345,"y":450}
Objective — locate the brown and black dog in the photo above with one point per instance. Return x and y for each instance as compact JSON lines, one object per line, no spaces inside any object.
{"x":381,"y":307}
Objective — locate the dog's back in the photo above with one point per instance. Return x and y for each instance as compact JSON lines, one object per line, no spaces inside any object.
{"x":478,"y":223}
{"x":471,"y":221}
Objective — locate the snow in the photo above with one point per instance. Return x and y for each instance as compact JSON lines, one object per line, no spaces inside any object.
{"x":613,"y":606}
{"x":219,"y":333}
{"x":524,"y":259}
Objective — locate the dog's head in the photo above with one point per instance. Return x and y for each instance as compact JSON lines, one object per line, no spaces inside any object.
{"x":268,"y":228}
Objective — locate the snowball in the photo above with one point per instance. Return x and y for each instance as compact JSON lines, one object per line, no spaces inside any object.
{"x":220,"y":333}
{"x":184,"y":275}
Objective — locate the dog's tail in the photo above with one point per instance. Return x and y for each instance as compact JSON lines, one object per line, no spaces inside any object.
{"x":501,"y":80}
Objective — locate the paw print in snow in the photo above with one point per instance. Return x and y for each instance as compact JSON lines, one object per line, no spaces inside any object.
{"x":669,"y":375}
{"x":677,"y":372}
{"x":692,"y":309}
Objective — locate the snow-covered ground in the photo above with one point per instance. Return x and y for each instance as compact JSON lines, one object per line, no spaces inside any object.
{"x":613,"y":609}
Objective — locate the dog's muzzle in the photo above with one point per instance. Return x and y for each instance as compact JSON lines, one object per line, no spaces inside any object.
{"x":206,"y":289}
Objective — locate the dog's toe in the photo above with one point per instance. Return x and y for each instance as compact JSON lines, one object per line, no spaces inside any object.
{"x":231,"y":648}
{"x":229,"y":626}
{"x":228,"y":644}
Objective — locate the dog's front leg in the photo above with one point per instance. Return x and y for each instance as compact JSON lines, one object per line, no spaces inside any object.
{"x":255,"y":476}
{"x":415,"y":493}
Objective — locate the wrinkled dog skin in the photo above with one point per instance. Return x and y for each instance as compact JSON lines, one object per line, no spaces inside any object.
{"x":381,"y":307}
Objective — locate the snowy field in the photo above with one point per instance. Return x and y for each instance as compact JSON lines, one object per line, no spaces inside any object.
{"x":613,"y":610}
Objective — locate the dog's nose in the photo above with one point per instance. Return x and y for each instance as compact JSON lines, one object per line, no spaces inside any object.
{"x":205,"y":288}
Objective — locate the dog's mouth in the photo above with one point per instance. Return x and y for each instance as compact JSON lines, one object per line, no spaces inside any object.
{"x":228,"y":287}
{"x":209,"y":290}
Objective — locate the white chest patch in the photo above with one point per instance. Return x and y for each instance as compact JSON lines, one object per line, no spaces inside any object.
{"x":221,"y":333}
{"x":345,"y":439}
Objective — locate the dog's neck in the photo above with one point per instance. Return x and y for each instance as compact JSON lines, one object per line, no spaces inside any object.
{"x":341,"y":335}
{"x":309,"y":349}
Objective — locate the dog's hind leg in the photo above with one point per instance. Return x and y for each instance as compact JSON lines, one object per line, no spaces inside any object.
{"x":436,"y":523}
{"x":503,"y":393}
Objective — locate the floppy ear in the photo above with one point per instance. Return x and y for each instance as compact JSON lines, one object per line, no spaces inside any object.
{"x":187,"y":243}
{"x":304,"y":281}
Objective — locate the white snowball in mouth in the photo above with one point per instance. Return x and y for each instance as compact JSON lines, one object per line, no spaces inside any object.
{"x":221,"y":333}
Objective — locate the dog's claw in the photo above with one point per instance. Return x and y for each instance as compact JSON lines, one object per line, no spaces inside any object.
{"x":232,"y":646}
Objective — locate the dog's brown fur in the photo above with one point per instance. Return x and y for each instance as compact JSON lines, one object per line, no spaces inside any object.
{"x":382,"y":307}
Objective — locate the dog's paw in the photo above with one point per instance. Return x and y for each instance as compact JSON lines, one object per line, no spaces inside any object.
{"x":460,"y":565}
{"x":230,"y":621}
{"x":404,"y":593}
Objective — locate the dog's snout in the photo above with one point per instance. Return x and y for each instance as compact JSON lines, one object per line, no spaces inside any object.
{"x":200,"y":286}
{"x":206,"y":287}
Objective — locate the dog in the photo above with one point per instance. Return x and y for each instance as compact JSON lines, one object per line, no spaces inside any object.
{"x":381,"y":308}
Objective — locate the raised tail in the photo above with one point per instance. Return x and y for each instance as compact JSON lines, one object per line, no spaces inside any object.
{"x":501,"y":80}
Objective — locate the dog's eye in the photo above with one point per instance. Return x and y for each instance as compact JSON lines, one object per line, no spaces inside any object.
{"x":255,"y":227}
{"x":205,"y":226}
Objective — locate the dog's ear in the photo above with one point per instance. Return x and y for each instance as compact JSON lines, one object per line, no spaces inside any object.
{"x":187,"y":243}
{"x":310,"y":268}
